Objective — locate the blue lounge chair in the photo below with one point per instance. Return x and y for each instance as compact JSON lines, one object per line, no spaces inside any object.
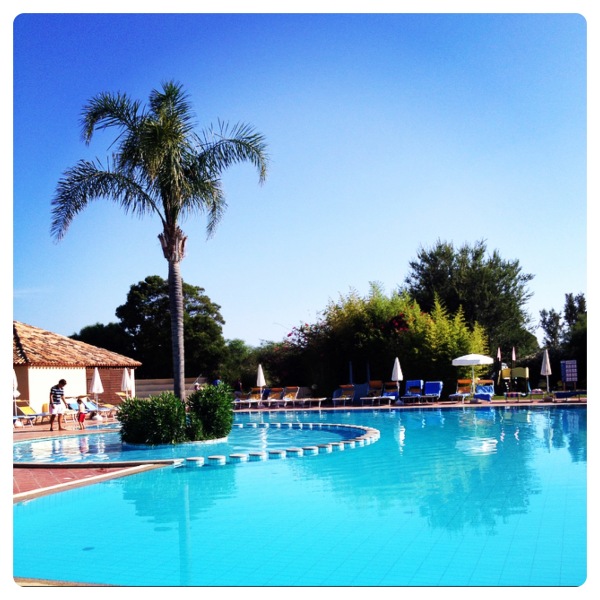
{"x":374,"y":393}
{"x":413,"y":391}
{"x":484,"y":390}
{"x":23,"y":420}
{"x":391,"y":393}
{"x":432,"y":391}
{"x":94,"y":408}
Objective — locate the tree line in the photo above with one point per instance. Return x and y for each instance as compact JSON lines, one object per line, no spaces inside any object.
{"x":454,"y":301}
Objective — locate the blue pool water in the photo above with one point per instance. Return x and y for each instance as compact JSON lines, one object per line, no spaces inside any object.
{"x":107,"y":447}
{"x":489,"y":496}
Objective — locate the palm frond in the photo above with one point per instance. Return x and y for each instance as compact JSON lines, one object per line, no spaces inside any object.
{"x":88,"y":181}
{"x":222,"y":148}
{"x":109,"y":110}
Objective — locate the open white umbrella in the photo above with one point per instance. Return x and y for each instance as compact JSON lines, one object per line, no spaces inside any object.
{"x":397,"y":373}
{"x":472,"y":360}
{"x":96,"y":388}
{"x":546,"y":370}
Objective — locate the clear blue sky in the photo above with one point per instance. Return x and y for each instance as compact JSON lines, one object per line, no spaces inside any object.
{"x":386,"y":132}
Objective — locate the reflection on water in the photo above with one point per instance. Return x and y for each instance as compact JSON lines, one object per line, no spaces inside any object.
{"x":477,"y":445}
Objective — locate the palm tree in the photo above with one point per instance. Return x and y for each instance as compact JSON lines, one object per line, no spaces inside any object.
{"x":160,"y":166}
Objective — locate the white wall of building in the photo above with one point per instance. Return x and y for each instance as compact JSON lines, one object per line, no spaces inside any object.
{"x":39,"y":380}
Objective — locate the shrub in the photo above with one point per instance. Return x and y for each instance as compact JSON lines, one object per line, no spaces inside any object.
{"x":158,"y":420}
{"x":211,"y":406}
{"x":163,"y":419}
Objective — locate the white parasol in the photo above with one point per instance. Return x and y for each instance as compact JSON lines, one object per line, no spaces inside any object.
{"x":260,"y":379}
{"x":397,"y":373}
{"x":472,"y":360}
{"x":126,"y":383}
{"x":546,"y":370}
{"x":132,"y":383}
{"x":96,"y":388}
{"x":16,"y":392}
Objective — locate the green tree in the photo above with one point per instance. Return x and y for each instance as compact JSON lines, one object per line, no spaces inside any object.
{"x":550,"y":322}
{"x":111,"y":337}
{"x":369,"y":332}
{"x":565,"y":334}
{"x":575,"y":307}
{"x":160,"y":166}
{"x":491,"y":291}
{"x":146,"y":319}
{"x":239,"y":362}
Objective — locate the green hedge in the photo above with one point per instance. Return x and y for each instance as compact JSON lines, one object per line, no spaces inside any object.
{"x":212,"y":406}
{"x":163,"y":419}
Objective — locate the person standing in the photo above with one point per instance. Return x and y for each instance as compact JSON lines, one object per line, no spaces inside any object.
{"x":57,"y":404}
{"x":238,"y":391}
{"x":81,"y":413}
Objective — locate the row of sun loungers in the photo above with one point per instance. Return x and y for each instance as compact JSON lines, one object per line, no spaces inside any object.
{"x":379,"y":393}
{"x":28,"y":416}
{"x":276,"y":398}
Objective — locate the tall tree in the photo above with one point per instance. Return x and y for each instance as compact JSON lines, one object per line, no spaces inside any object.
{"x":491,"y":291}
{"x":160,"y":166}
{"x":575,"y":306}
{"x":111,"y":337}
{"x":145,"y":318}
{"x":550,"y":322}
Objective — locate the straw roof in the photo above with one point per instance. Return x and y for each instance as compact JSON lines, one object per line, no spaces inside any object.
{"x":36,"y":347}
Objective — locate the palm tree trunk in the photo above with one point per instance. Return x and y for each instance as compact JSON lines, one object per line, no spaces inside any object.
{"x":173,"y":245}
{"x":176,"y":305}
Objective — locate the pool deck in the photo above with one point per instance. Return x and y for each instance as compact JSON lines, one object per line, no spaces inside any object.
{"x":32,"y":481}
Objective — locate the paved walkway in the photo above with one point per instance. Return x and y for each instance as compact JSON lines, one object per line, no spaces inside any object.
{"x":30,"y":481}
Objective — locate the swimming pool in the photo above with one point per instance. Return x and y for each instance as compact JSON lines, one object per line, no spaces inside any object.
{"x":490,"y":496}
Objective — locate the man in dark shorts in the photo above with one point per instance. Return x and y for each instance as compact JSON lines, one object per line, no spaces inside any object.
{"x":57,"y":404}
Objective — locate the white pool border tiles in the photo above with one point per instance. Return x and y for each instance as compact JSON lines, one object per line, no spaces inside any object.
{"x":364,"y":437}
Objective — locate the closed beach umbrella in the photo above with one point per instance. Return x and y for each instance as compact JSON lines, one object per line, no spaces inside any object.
{"x":96,"y":388}
{"x":16,"y":392}
{"x":499,"y":367}
{"x":397,"y":373}
{"x":546,"y":370}
{"x":126,"y":382}
{"x":96,"y":384}
{"x":472,"y":360}
{"x":132,"y":383}
{"x":260,"y":378}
